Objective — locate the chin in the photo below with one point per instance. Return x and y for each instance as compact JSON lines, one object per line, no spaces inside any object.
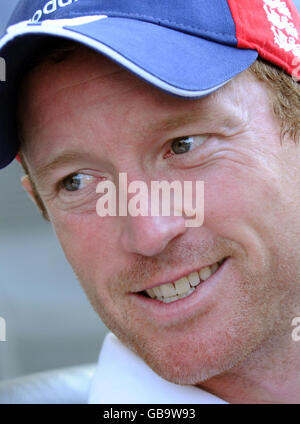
{"x":189,"y":362}
{"x":201,"y":355}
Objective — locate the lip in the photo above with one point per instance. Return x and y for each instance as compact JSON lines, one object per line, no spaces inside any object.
{"x":197,"y":302}
{"x":178,"y":276}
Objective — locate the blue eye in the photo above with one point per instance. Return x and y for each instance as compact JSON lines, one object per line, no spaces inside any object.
{"x":185,"y":144}
{"x":76,"y":182}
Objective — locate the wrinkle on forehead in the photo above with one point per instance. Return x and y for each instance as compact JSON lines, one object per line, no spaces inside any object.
{"x":53,"y":84}
{"x":80,"y":66}
{"x":43,"y":108}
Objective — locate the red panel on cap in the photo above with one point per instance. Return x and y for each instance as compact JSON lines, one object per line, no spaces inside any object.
{"x":18,"y":158}
{"x":272,"y":28}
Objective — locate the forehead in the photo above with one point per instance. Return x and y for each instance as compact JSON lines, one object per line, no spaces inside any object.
{"x":50,"y":77}
{"x":58,"y":95}
{"x":80,"y":66}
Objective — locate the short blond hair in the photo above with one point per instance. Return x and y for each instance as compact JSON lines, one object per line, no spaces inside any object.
{"x":285,"y":96}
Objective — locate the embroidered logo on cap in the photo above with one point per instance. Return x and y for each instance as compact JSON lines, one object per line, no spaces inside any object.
{"x":271,"y":27}
{"x":50,"y":7}
{"x":285,"y":32}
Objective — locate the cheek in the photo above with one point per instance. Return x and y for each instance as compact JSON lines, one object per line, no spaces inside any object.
{"x":241,"y":206}
{"x":88,"y":242}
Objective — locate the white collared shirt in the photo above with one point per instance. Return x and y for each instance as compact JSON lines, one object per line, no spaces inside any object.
{"x":122,"y":377}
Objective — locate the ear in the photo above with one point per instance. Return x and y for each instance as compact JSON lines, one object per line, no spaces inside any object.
{"x":34,"y":196}
{"x":25,"y":181}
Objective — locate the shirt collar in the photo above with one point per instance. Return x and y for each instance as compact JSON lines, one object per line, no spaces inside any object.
{"x":123,"y":377}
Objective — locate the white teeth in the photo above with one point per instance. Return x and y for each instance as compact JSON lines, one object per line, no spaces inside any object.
{"x":167,"y":290}
{"x":157,"y":291}
{"x":169,"y":299}
{"x":214,"y":267}
{"x":205,"y":273}
{"x":180,"y":296}
{"x":194,"y":279}
{"x":173,"y":298}
{"x":183,"y":287}
{"x":151,"y":293}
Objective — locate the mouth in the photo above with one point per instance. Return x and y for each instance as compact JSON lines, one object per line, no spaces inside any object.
{"x":184,"y":287}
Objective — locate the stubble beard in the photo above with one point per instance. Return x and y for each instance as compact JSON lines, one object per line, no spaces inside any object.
{"x":256,"y":319}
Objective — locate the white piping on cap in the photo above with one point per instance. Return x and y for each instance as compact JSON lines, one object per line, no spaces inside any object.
{"x":81,"y":20}
{"x":55,"y":27}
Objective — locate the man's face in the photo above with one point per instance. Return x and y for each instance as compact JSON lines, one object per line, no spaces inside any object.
{"x":89,"y":117}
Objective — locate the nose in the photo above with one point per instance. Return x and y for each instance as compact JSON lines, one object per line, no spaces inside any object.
{"x":149,"y":235}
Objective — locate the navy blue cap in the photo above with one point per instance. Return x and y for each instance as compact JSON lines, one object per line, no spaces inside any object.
{"x":186,"y":48}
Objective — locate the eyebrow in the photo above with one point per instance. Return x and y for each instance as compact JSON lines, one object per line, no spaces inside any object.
{"x":69,"y":157}
{"x":208,"y":112}
{"x":172,"y":123}
{"x":66,"y":158}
